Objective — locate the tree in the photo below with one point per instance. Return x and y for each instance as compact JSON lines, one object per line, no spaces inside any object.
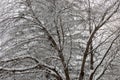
{"x":62,"y":31}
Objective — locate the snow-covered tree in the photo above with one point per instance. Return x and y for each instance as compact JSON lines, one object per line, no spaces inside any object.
{"x":61,"y":39}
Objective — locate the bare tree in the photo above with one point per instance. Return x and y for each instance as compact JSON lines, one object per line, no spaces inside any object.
{"x":61,"y":30}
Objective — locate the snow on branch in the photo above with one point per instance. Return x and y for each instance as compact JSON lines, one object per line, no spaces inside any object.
{"x":99,"y":64}
{"x":39,"y":65}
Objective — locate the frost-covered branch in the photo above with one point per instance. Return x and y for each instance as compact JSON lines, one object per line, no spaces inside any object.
{"x":38,"y":65}
{"x":96,"y":68}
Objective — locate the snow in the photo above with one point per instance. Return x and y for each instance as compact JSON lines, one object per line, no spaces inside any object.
{"x":91,"y":71}
{"x":99,"y":74}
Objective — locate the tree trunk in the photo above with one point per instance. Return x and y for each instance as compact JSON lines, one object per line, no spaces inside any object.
{"x":66,"y":70}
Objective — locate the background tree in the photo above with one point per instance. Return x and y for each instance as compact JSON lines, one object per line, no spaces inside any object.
{"x":59,"y":39}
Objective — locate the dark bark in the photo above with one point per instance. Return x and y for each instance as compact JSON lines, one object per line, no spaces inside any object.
{"x":66,"y":70}
{"x":91,"y":58}
{"x":81,"y":75}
